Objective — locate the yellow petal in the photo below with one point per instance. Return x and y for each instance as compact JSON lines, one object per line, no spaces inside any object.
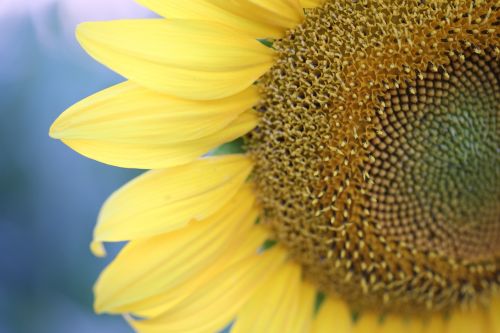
{"x":311,"y":3}
{"x":275,"y":306}
{"x":435,"y":324}
{"x":333,"y":316}
{"x":164,"y":200}
{"x":368,"y":323}
{"x":399,"y":324}
{"x":150,"y":266}
{"x":302,"y":321}
{"x":197,"y":60}
{"x":258,"y":19}
{"x":156,"y":154}
{"x":495,"y":315}
{"x":130,"y":126}
{"x":243,"y":246}
{"x":416,"y":325}
{"x":127,"y":112}
{"x":213,"y":306}
{"x":470,"y":321}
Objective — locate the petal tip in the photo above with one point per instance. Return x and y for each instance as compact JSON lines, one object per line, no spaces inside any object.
{"x":53,"y":133}
{"x":56,"y":131}
{"x":97,"y":249}
{"x":86,"y":32}
{"x":80,"y":30}
{"x":82,"y":27}
{"x":98,"y":307}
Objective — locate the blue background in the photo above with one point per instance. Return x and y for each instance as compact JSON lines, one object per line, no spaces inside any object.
{"x":49,"y":195}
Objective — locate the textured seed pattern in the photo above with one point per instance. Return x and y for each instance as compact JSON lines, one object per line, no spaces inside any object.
{"x":377,"y":157}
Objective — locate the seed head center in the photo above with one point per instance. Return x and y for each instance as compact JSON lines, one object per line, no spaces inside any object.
{"x":377,"y":157}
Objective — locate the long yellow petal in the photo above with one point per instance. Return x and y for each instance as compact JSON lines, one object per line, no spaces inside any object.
{"x":164,"y":200}
{"x":275,"y":306}
{"x":333,"y":316}
{"x":197,"y":60}
{"x":156,"y":154}
{"x":243,"y":246}
{"x":147,"y":267}
{"x":259,"y":19}
{"x":212,"y":307}
{"x":127,"y":112}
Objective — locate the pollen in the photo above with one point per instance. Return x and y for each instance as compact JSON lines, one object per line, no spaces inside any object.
{"x":378,"y":153}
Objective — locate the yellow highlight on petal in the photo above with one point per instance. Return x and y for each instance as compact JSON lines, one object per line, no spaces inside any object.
{"x":197,"y":60}
{"x":164,"y":200}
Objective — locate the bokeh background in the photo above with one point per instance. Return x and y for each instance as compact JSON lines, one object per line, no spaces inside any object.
{"x":49,"y":195}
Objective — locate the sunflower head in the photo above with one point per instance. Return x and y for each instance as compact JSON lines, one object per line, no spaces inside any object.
{"x":378,"y":151}
{"x":370,"y":170}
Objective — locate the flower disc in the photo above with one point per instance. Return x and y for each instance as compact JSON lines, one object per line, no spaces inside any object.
{"x":377,"y":157}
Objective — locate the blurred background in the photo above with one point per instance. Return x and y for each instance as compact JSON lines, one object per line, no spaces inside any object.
{"x":49,"y":195}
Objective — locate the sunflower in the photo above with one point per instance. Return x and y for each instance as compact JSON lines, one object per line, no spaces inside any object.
{"x":363,"y":197}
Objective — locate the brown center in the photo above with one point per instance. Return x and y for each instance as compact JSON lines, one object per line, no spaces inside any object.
{"x":377,"y":157}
